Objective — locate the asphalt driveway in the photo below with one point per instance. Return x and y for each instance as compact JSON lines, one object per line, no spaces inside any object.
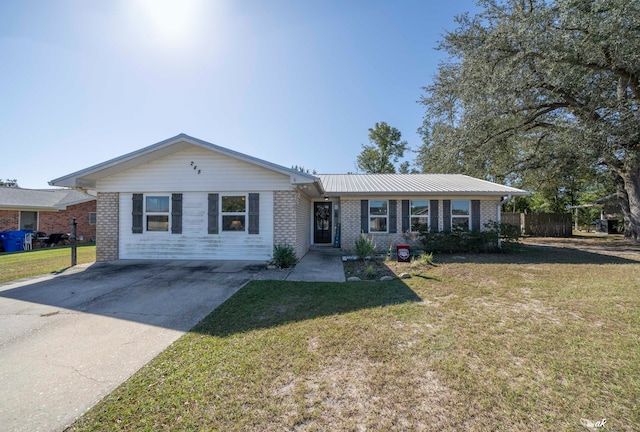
{"x":68,"y":340}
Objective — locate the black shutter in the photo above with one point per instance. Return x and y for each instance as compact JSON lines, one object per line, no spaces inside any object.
{"x":254,"y":213}
{"x":406,"y":218}
{"x":364,"y":216}
{"x":393,"y":216}
{"x":176,"y":213}
{"x":475,"y":215}
{"x":433,"y":211}
{"x":446,"y":215}
{"x":136,"y":214}
{"x":212,"y":212}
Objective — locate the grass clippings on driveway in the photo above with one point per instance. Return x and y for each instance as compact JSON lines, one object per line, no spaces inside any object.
{"x":18,"y":265}
{"x":531,"y":341}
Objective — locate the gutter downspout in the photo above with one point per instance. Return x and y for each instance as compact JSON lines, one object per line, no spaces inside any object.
{"x":503,"y":201}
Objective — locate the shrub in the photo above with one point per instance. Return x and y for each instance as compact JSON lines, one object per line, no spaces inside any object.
{"x":424,"y":259}
{"x":509,"y":234}
{"x":370,"y":272}
{"x":365,"y":247}
{"x":471,"y":241}
{"x":284,"y":256}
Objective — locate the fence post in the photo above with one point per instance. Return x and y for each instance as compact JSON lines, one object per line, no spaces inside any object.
{"x":74,"y":255}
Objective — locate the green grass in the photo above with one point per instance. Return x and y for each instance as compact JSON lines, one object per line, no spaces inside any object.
{"x":530,"y":341}
{"x":19,"y":265}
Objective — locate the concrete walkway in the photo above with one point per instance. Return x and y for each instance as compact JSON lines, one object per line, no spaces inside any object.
{"x":320,"y":264}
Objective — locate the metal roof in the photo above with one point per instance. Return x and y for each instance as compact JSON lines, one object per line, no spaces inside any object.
{"x":40,"y":199}
{"x":403,"y":184}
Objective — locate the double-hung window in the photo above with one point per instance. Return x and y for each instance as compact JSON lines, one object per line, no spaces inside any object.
{"x":419,"y":215}
{"x":460,"y":214}
{"x":157,"y":212}
{"x":378,"y":216}
{"x":234,"y":212}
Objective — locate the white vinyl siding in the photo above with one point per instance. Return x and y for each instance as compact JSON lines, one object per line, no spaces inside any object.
{"x":303,"y":225}
{"x":194,"y":242}
{"x":175,"y":173}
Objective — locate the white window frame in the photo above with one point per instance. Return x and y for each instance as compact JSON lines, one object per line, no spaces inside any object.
{"x":467,"y":216}
{"x":412,"y":216}
{"x":93,"y":218}
{"x":245,"y":213}
{"x":147,"y":213}
{"x":385,"y":217}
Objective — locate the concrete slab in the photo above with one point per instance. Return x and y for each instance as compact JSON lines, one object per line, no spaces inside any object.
{"x":68,"y":340}
{"x":320,"y":264}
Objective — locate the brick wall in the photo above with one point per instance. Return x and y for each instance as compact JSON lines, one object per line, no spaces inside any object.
{"x":60,"y":221}
{"x":488,"y":212}
{"x":56,"y":221}
{"x":351,"y":224}
{"x":303,"y":225}
{"x":9,"y":220}
{"x":284,"y":219}
{"x":107,"y":226}
{"x":350,"y":228}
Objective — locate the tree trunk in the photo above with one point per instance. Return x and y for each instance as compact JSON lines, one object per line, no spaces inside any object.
{"x":630,"y":201}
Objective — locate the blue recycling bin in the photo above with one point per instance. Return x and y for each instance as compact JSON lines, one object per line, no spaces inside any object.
{"x":13,"y":241}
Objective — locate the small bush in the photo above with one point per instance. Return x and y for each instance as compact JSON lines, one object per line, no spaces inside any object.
{"x":390,"y":253}
{"x":370,"y":272}
{"x":365,"y":247}
{"x":284,"y":256}
{"x":424,"y":259}
{"x":510,"y":235}
{"x":471,"y":241}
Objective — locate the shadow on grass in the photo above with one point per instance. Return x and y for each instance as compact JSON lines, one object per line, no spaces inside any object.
{"x":543,"y":254}
{"x":265,"y":304}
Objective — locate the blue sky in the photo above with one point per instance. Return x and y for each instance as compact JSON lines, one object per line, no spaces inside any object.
{"x":291,"y":82}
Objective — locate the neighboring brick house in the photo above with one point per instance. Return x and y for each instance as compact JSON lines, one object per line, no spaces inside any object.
{"x":48,"y":210}
{"x":184,"y":198}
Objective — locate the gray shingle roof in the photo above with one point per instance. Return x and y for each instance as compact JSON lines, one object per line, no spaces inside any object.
{"x":40,"y":199}
{"x":397,"y":184}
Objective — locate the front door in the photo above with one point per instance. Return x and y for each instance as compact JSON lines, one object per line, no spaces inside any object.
{"x":322,"y":222}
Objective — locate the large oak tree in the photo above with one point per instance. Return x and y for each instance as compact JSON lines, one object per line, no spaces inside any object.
{"x":540,"y":88}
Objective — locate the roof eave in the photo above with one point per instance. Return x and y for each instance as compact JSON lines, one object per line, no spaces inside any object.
{"x":438,"y":193}
{"x":28,"y":208}
{"x":79,"y":179}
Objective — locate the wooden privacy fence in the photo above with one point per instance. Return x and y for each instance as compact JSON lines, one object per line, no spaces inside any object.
{"x":540,"y":224}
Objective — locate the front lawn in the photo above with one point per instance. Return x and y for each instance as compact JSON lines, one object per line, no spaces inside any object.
{"x":530,"y":341}
{"x":18,"y":265}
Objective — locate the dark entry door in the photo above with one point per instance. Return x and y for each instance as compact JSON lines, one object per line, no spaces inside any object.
{"x":322,"y":222}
